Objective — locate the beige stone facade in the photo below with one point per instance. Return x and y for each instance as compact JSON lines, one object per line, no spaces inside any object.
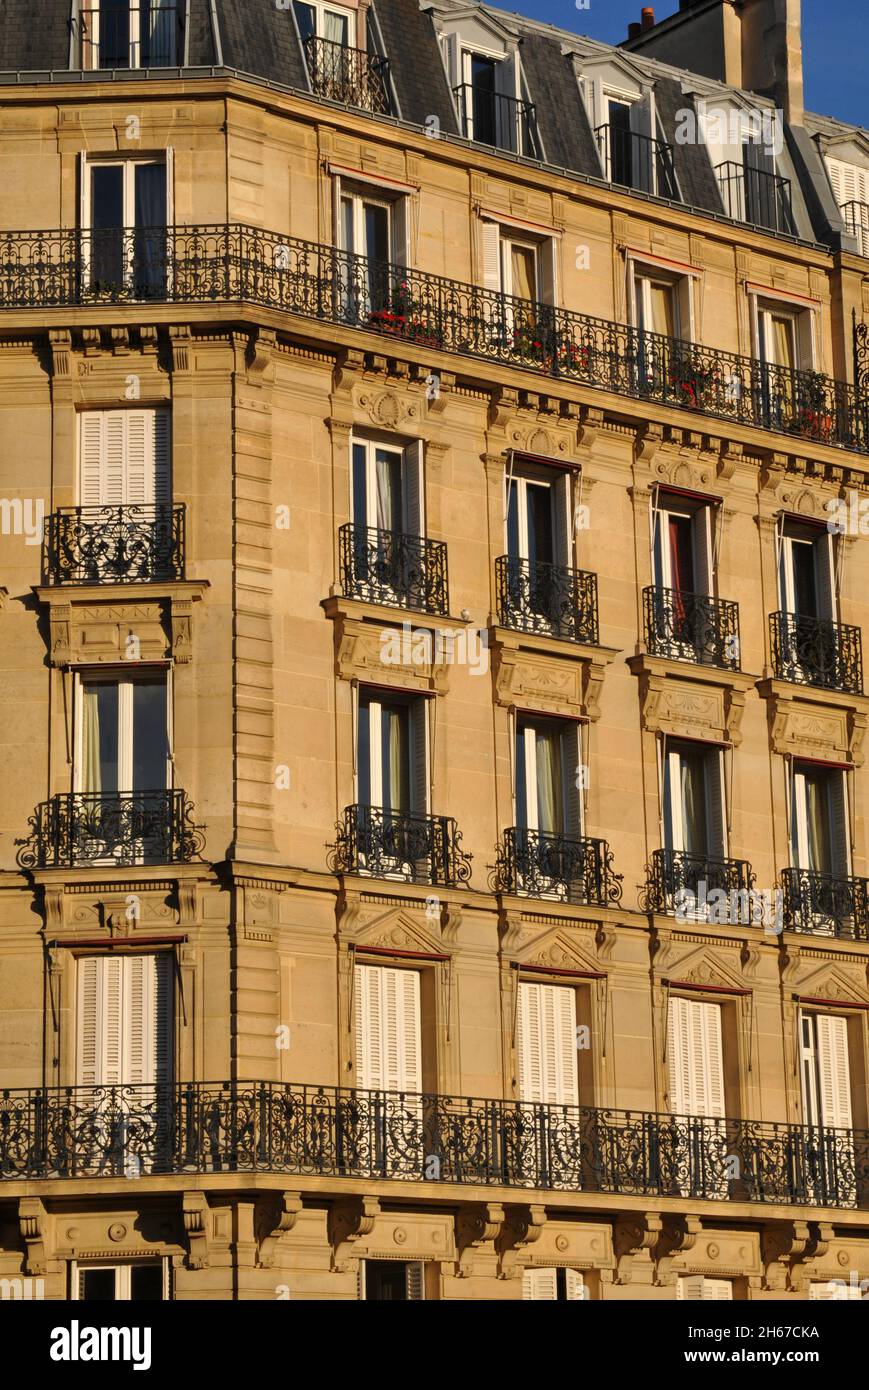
{"x":267,"y":659}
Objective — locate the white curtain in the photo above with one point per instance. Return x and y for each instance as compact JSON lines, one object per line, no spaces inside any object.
{"x":161,"y":21}
{"x":92,"y":781}
{"x":335,"y":28}
{"x":394,"y":760}
{"x":549,"y":794}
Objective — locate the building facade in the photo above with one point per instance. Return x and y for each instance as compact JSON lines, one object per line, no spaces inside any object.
{"x":433,"y":846}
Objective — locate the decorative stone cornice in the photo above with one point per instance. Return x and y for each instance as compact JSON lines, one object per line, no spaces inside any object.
{"x":807,"y":723}
{"x":684,"y":700}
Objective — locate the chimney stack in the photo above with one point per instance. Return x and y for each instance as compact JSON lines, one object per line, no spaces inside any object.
{"x":647,"y":18}
{"x":634,"y":30}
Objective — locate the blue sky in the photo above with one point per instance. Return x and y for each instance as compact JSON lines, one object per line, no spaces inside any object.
{"x":835,"y":48}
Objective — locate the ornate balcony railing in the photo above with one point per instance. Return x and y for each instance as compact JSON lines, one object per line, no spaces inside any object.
{"x":551,"y":600}
{"x":348,"y":75}
{"x":115,"y":545}
{"x":685,"y":884}
{"x":324,"y":1131}
{"x":826,"y":906}
{"x":494,"y":118}
{"x":814,"y":651}
{"x":535,"y":864}
{"x":756,"y":196}
{"x":856,"y":218}
{"x":114,"y":829}
{"x":637,"y":161}
{"x":234,"y":264}
{"x":393,"y":568}
{"x":691,"y":627}
{"x":147,"y":35}
{"x":396,"y":844}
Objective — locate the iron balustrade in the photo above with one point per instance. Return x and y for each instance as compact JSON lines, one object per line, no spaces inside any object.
{"x":348,"y":75}
{"x":536,"y":864}
{"x":276,"y":1127}
{"x":855,"y":215}
{"x":691,"y":627}
{"x":637,"y":161}
{"x":817,"y":652}
{"x":115,"y":545}
{"x":497,"y":119}
{"x":824,"y":905}
{"x":682,"y":883}
{"x":393,"y":568}
{"x":382,"y":843}
{"x":757,"y":196}
{"x":552,"y":600}
{"x":114,"y":829}
{"x":147,"y":35}
{"x":233,"y":264}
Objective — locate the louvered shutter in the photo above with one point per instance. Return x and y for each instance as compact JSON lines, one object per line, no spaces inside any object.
{"x":124,"y":457}
{"x":715,"y":812}
{"x":571,"y":763}
{"x":711,"y":1102}
{"x":850,"y":183}
{"x":563,"y":520}
{"x":840,"y":829}
{"x":575,"y":1285}
{"x":388,"y":1051}
{"x":641,"y":123}
{"x":825,"y":576}
{"x":113,"y":480}
{"x":701,"y":533}
{"x":695,"y":1287}
{"x":419,"y":757}
{"x":490,"y":234}
{"x":162,"y":490}
{"x":834,"y":1071}
{"x":717,"y":1290}
{"x":124,"y":1020}
{"x":539,"y":1284}
{"x":836,"y":1291}
{"x":546,"y":1044}
{"x":414,"y":490}
{"x":91,"y":458}
{"x":147,"y":1019}
{"x":679,"y":1057}
{"x":414,"y":1281}
{"x":368,"y":993}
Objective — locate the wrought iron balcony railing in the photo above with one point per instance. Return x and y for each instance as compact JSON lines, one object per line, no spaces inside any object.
{"x":814,"y":651}
{"x":275,"y":1127}
{"x":535,"y":864}
{"x":637,"y":161}
{"x":393,"y":568}
{"x":551,"y":600}
{"x":114,"y":829}
{"x":233,"y":264}
{"x":114,"y":545}
{"x":691,"y":627}
{"x":145,"y":35}
{"x":756,"y":196}
{"x":856,"y":218}
{"x":494,"y":118}
{"x":823,"y":905}
{"x":684,"y":884}
{"x":348,"y":75}
{"x":395,"y":844}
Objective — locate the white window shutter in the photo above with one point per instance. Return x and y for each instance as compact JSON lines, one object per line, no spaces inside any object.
{"x":563,"y":518}
{"x":490,"y":234}
{"x":539,"y":1284}
{"x":125,"y":457}
{"x":836,"y":1291}
{"x":414,"y":1281}
{"x":834,"y":1070}
{"x":88,"y":1067}
{"x":147,"y":1019}
{"x":528,"y":1043}
{"x":360,"y":1281}
{"x":717,"y":1290}
{"x":114,"y":469}
{"x":139,"y":456}
{"x":388,"y":1040}
{"x":92,"y":454}
{"x":575,"y":1285}
{"x":414,"y":489}
{"x":124,"y":1020}
{"x":546,"y":1044}
{"x":368,"y":991}
{"x":450,"y":45}
{"x":695,"y":1287}
{"x":713,"y":1063}
{"x":419,"y":757}
{"x":679,"y":1057}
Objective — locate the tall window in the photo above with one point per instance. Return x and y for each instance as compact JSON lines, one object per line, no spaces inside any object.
{"x":695,"y":1287}
{"x":694,"y":1059}
{"x":546,"y":1050}
{"x":825,"y":1070}
{"x":562,"y":1285}
{"x":850,"y":184}
{"x":548,"y":758}
{"x":130,"y":33}
{"x":388,"y":1029}
{"x":388,"y":487}
{"x":124,"y":217}
{"x":683,"y":553}
{"x":806,"y":571}
{"x":330,"y":22}
{"x":820,"y":839}
{"x":124,"y":458}
{"x":392,"y":760}
{"x":125,"y":1022}
{"x":693,"y":801}
{"x":392,"y":1281}
{"x":122,"y":741}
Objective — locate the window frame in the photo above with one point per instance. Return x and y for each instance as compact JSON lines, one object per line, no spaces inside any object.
{"x":116,"y":675}
{"x":79,"y":1267}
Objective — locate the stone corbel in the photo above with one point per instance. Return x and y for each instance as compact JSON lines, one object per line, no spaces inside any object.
{"x":677,"y":1237}
{"x":32,"y":1220}
{"x":181,"y":347}
{"x":260,"y":354}
{"x":590,"y":427}
{"x":347,"y":371}
{"x":60,"y":633}
{"x":772,"y":470}
{"x":734,"y":708}
{"x":503,"y":404}
{"x":60,"y":346}
{"x":274,"y":1219}
{"x":349,"y":1220}
{"x":820,"y":1235}
{"x":476,"y":1228}
{"x":728,"y":458}
{"x":857,"y":721}
{"x":648,"y":441}
{"x":633,"y":1232}
{"x":436,"y":400}
{"x":120,"y":340}
{"x":522,"y":1228}
{"x":195,"y":1214}
{"x":182,"y":630}
{"x":782,"y":1246}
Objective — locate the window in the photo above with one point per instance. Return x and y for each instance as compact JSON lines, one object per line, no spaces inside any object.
{"x":694,"y":1059}
{"x":121,"y":34}
{"x":785,"y":344}
{"x":632,"y":154}
{"x":329,"y":22}
{"x":125,"y":218}
{"x":694,"y":822}
{"x":683,"y":555}
{"x":392,"y":1281}
{"x":387,"y":487}
{"x":123,"y":742}
{"x":766,"y":197}
{"x":137,"y":1283}
{"x":825,"y":1070}
{"x":695,"y":1288}
{"x":124,"y":458}
{"x":548,"y":758}
{"x":546,"y":1040}
{"x":392,"y":765}
{"x":657,"y":308}
{"x":806,"y":571}
{"x":519,"y":265}
{"x":552,"y":1284}
{"x":837,"y":1290}
{"x":820,"y":841}
{"x":538,"y":517}
{"x":850,"y":184}
{"x":371,"y":224}
{"x":124,"y":1037}
{"x":388,"y":1030}
{"x":484,"y":74}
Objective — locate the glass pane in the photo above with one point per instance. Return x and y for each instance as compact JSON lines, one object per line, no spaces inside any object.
{"x":157,"y":20}
{"x":817,"y":806}
{"x":114,"y":24}
{"x":150,"y":743}
{"x":146,"y":1283}
{"x":360,"y":486}
{"x":524,"y":267}
{"x":99,"y":744}
{"x":693,"y":792}
{"x":521,"y":780}
{"x":550,"y":798}
{"x":395,"y":771}
{"x":97,"y":1285}
{"x":540,"y":548}
{"x":781,"y":341}
{"x":349,"y":240}
{"x":377,"y":251}
{"x":335,"y":28}
{"x":483,"y":99}
{"x":149,"y":252}
{"x":364,"y":754}
{"x":388,"y":481}
{"x":805,"y":589}
{"x":513,"y":519}
{"x":306,"y":19}
{"x":661,"y":304}
{"x":681,"y":554}
{"x":107,"y":196}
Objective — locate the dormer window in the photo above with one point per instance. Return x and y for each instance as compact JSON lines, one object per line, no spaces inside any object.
{"x":483,"y":70}
{"x":130,"y":33}
{"x":337,"y":69}
{"x":329,"y":22}
{"x":850,"y":184}
{"x":632,"y":152}
{"x":744,"y":148}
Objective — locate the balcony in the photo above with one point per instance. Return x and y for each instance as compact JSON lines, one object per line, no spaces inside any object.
{"x":111,"y":830}
{"x":691,"y":627}
{"x":534,"y":864}
{"x":493,"y":118}
{"x":549,"y":600}
{"x":321,"y":1131}
{"x":637,"y":161}
{"x":114,"y":545}
{"x":756,"y":196}
{"x":232,"y":264}
{"x":391,"y":568}
{"x":348,"y":75}
{"x":395,"y":844}
{"x":683,"y":883}
{"x":856,"y":218}
{"x":816,"y":652}
{"x":149,"y":35}
{"x":822,"y":905}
